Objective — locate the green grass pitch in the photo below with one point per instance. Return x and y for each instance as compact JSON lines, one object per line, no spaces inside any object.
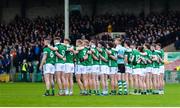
{"x":30,"y":94}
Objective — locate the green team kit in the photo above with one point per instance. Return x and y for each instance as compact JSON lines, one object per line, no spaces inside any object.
{"x":87,"y":60}
{"x":139,"y":61}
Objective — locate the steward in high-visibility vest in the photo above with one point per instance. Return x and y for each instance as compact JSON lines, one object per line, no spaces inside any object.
{"x":24,"y":70}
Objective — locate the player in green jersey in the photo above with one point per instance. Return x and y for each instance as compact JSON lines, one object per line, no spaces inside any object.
{"x":104,"y":69}
{"x":136,"y":61}
{"x":86,"y":65}
{"x":47,"y":64}
{"x":82,"y":56}
{"x":89,"y":63}
{"x":59,"y":65}
{"x":155,"y":62}
{"x":128,"y":66}
{"x":95,"y":67}
{"x":143,"y":64}
{"x":69,"y":65}
{"x":161,"y":68}
{"x":112,"y":53}
{"x":149,"y":68}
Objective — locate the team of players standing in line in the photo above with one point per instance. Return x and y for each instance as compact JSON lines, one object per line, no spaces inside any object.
{"x":103,"y":68}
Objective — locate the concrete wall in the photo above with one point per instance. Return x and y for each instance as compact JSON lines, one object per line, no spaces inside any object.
{"x":119,"y":6}
{"x":174,"y":4}
{"x":9,"y":9}
{"x":48,"y":8}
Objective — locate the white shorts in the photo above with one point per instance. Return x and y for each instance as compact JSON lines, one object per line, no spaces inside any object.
{"x":138,"y":71}
{"x":161,"y":69}
{"x":69,"y":68}
{"x":113,"y":70}
{"x":104,"y":69}
{"x":155,"y":71}
{"x":48,"y":68}
{"x":80,"y":69}
{"x":60,"y":67}
{"x":149,"y":69}
{"x":95,"y":69}
{"x":143,"y":70}
{"x":88,"y":69}
{"x":128,"y":69}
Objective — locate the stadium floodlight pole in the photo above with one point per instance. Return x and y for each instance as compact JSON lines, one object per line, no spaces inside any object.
{"x":66,"y":18}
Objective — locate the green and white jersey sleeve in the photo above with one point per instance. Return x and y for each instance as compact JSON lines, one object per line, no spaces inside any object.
{"x":161,"y":55}
{"x":80,"y":56}
{"x":148,"y":57}
{"x":50,"y":55}
{"x":61,"y":50}
{"x":96,"y":53}
{"x":89,"y":61}
{"x":112,"y":62}
{"x":137,"y":56}
{"x":105,"y":55}
{"x":128,"y":54}
{"x":155,"y":63}
{"x":69,"y":55}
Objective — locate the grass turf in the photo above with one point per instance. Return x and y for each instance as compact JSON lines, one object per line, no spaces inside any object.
{"x":30,"y":94}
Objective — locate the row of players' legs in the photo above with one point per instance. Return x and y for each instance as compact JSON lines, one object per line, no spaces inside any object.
{"x":64,"y":82}
{"x":91,"y":81}
{"x":148,"y":82}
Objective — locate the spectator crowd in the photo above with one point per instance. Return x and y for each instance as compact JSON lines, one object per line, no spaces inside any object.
{"x":21,"y":39}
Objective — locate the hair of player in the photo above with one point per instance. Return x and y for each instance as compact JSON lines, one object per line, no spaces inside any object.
{"x":118,"y":39}
{"x":67,"y":40}
{"x":103,"y":44}
{"x":147,"y":45}
{"x":127,"y":42}
{"x":153,"y":44}
{"x":79,"y":41}
{"x":158,"y":44}
{"x":111,"y":44}
{"x":86,"y":42}
{"x":94,"y":42}
{"x":57,"y":38}
{"x":140,"y":48}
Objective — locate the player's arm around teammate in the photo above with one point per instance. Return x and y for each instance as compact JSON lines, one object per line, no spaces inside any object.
{"x":104,"y":69}
{"x":80,"y":66}
{"x":47,"y":66}
{"x":69,"y":66}
{"x":161,"y":68}
{"x":155,"y":62}
{"x":95,"y":67}
{"x":59,"y":65}
{"x":112,"y":66}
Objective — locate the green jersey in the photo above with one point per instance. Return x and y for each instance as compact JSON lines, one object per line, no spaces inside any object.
{"x":96,"y":53}
{"x":112,"y":62}
{"x":61,"y":50}
{"x":69,"y":55}
{"x":143,"y":63}
{"x":50,"y":55}
{"x":80,"y":57}
{"x":89,"y":61}
{"x":148,"y":57}
{"x":155,"y":63}
{"x":136,"y":54}
{"x":161,"y":55}
{"x":128,"y":54}
{"x":105,"y":55}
